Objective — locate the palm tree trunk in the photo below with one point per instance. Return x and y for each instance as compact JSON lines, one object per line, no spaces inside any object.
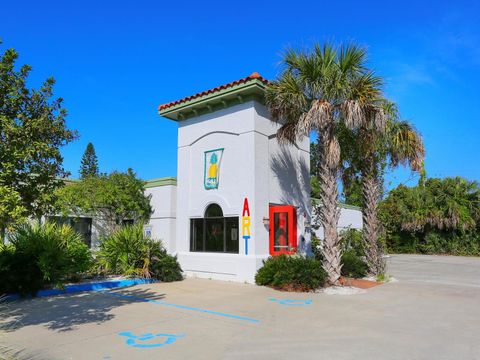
{"x":329,"y":214}
{"x":373,"y":250}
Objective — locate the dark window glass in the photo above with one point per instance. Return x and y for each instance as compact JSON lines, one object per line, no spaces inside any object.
{"x":213,"y":210}
{"x":214,"y":233}
{"x":197,"y":235}
{"x":281,"y":231}
{"x":231,"y":234}
{"x":80,"y":224}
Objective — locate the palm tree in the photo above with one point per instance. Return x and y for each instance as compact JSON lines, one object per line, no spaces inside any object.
{"x":319,"y":90}
{"x":370,"y":149}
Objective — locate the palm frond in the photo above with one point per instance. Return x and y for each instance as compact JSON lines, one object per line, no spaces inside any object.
{"x":319,"y":115}
{"x":406,"y":146}
{"x":354,"y":114}
{"x":287,"y":134}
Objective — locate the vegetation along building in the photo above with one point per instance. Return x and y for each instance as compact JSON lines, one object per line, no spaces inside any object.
{"x":239,"y":197}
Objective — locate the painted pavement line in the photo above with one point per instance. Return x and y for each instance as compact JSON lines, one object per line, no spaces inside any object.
{"x":182,"y":307}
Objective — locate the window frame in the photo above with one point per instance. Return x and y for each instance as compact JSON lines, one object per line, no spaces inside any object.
{"x":204,"y":220}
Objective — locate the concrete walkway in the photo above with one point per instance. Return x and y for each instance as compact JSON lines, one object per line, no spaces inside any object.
{"x":432,"y":312}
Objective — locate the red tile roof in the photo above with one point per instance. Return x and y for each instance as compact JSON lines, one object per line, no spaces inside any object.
{"x":252,"y":76}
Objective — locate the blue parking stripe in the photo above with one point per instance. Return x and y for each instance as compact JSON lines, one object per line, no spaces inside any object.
{"x":183,"y":307}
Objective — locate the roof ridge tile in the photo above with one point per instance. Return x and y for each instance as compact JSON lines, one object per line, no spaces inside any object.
{"x":252,"y":76}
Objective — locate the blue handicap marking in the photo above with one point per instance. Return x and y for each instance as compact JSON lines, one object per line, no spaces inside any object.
{"x":140,"y":341}
{"x":291,"y":302}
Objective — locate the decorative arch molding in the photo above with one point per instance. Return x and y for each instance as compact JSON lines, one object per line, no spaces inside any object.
{"x":211,"y":133}
{"x":227,"y":208}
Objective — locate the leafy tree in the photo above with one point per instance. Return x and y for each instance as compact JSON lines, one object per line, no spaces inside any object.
{"x":115,"y":197}
{"x":12,"y":210}
{"x":89,"y":163}
{"x":437,"y":216}
{"x":352,"y":191}
{"x":32,"y":131}
{"x":320,"y":90}
{"x":450,"y":204}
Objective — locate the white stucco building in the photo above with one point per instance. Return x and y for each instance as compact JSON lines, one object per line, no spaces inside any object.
{"x":239,"y":195}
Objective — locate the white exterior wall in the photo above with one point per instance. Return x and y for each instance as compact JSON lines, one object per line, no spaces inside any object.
{"x":163,"y":219}
{"x":350,"y":218}
{"x":99,"y":230}
{"x":250,"y":152}
{"x":288,"y":170}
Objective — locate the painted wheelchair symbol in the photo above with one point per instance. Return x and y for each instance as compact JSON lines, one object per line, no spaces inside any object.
{"x":291,"y":302}
{"x":140,"y":341}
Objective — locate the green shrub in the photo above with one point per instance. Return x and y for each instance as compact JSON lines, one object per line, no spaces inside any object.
{"x":41,"y":255}
{"x":294,"y":273}
{"x":351,"y":239}
{"x":435,"y":242}
{"x":438,"y":216}
{"x":316,"y":244}
{"x":19,"y":272}
{"x":167,"y":269}
{"x":353,"y":265}
{"x":129,"y":252}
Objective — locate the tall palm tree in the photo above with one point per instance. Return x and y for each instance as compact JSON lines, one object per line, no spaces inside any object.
{"x":371,"y":149}
{"x":318,"y":90}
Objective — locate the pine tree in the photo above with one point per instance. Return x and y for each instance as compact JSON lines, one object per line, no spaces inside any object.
{"x":89,"y":164}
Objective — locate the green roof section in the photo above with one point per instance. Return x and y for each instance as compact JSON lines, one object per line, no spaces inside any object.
{"x":215,"y":99}
{"x":160,"y":182}
{"x":164,"y":181}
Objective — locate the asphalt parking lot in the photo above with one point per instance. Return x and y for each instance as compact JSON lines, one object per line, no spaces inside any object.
{"x":431,"y":312}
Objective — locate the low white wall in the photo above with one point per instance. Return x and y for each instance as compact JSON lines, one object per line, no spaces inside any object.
{"x":350,"y":218}
{"x":163,"y":219}
{"x":221,"y":266}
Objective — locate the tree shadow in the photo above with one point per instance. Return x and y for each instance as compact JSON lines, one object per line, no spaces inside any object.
{"x":293,"y":177}
{"x":65,"y":312}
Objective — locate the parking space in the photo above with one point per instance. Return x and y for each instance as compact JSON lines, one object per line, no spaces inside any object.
{"x":432,"y":312}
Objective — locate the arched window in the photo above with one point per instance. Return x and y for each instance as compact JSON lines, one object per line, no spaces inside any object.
{"x":213,"y":210}
{"x":214,"y":233}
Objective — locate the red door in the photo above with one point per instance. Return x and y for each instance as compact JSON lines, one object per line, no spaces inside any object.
{"x":283,"y":230}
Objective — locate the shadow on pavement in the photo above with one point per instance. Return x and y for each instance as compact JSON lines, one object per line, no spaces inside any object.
{"x":64,"y":312}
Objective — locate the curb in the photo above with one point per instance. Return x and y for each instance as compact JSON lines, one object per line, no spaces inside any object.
{"x":77,"y":288}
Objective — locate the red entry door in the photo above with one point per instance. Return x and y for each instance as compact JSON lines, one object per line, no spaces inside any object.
{"x":283,"y":230}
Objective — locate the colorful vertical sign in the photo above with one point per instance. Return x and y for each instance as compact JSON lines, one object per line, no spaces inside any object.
{"x":213,"y":159}
{"x":246,"y":224}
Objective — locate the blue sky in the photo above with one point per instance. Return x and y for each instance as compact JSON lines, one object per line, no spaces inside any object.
{"x":116,"y":61}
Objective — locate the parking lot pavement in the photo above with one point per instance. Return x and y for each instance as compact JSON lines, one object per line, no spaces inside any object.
{"x":432,"y":312}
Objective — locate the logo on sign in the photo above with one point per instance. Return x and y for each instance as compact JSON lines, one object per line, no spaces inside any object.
{"x":213,"y":159}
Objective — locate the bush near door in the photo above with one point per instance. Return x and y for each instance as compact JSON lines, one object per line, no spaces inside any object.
{"x":291,"y":273}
